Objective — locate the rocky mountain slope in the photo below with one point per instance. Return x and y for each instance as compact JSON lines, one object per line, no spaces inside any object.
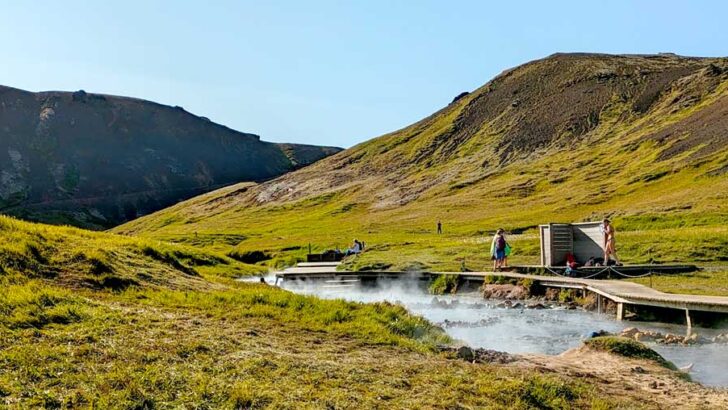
{"x":642,"y":138}
{"x":99,"y":160}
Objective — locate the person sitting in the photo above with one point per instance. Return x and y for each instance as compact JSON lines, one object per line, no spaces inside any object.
{"x":571,"y":261}
{"x":355,"y":249}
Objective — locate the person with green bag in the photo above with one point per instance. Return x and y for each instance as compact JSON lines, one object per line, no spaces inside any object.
{"x":507,"y":253}
{"x":498,"y":249}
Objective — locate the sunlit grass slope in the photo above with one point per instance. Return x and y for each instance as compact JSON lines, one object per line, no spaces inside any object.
{"x":87,"y":259}
{"x":570,"y":138}
{"x":94,"y":320}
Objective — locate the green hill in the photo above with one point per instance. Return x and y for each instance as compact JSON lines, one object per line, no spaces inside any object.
{"x":97,"y":160}
{"x":572,"y":137}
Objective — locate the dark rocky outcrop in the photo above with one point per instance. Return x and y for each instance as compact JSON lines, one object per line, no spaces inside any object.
{"x":98,"y":160}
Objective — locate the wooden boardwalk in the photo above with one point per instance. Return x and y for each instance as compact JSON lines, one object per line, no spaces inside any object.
{"x":312,"y":268}
{"x":620,"y":291}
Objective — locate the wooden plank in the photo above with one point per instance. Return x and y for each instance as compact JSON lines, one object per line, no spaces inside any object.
{"x":547,"y":246}
{"x":311,"y":264}
{"x":543,"y":248}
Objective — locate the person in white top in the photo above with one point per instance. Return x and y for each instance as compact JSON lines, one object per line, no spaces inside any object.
{"x":355,"y":248}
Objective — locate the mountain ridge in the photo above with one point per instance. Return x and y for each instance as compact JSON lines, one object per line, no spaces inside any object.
{"x":96,"y":160}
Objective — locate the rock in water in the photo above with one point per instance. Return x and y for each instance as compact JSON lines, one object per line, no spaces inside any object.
{"x":466,"y":353}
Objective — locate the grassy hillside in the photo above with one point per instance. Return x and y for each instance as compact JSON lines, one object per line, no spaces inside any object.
{"x":95,"y":260}
{"x":98,"y":320}
{"x":573,"y":137}
{"x":97,"y":160}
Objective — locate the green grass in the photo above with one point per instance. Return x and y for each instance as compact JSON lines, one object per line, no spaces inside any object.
{"x":248,"y":345}
{"x":711,"y":281}
{"x":627,"y":348}
{"x":101,"y":260}
{"x":379,"y":324}
{"x":444,"y":284}
{"x":399,"y":247}
{"x":177,"y":339}
{"x":32,"y":305}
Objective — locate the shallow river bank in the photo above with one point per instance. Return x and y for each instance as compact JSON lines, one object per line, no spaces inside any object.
{"x":483,"y":324}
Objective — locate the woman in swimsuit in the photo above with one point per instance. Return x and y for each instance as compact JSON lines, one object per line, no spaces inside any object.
{"x":609,"y":242}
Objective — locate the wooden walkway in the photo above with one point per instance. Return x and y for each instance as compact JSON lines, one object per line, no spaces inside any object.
{"x":620,"y":291}
{"x":311,"y":268}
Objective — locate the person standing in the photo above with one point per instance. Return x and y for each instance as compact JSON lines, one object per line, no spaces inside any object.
{"x":439,"y":227}
{"x":498,"y":249}
{"x":610,"y":244}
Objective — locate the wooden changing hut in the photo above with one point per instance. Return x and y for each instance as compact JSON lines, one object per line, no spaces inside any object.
{"x":584,"y":240}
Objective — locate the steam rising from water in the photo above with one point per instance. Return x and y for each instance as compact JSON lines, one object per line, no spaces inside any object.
{"x":481,"y":323}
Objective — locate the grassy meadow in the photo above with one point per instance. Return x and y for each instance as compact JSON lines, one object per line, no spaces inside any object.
{"x":96,"y":320}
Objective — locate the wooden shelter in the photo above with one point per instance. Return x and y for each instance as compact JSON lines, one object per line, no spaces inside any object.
{"x":583,"y":240}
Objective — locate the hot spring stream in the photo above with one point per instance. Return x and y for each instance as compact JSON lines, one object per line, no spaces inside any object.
{"x":546,"y":331}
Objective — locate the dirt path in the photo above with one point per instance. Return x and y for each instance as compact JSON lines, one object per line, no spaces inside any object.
{"x":642,"y":380}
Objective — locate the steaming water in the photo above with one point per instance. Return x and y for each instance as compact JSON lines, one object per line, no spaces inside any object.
{"x":547,"y":331}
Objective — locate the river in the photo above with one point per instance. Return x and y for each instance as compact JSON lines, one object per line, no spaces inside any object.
{"x":545,"y":331}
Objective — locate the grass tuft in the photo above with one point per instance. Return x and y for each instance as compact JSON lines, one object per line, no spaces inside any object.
{"x":627,"y":348}
{"x":443,"y":284}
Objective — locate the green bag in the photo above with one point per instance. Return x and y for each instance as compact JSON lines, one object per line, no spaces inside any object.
{"x":507,"y":250}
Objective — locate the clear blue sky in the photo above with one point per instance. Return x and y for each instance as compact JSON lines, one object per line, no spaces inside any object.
{"x":324,"y":72}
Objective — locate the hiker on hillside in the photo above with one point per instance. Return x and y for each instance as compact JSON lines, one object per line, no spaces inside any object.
{"x":609,"y":242}
{"x":498,"y":249}
{"x":439,"y":227}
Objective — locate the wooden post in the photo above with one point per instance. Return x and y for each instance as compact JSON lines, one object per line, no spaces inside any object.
{"x":599,"y":303}
{"x":620,"y":311}
{"x":688,"y":321}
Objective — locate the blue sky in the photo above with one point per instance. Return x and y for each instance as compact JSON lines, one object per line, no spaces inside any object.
{"x":324,"y":72}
